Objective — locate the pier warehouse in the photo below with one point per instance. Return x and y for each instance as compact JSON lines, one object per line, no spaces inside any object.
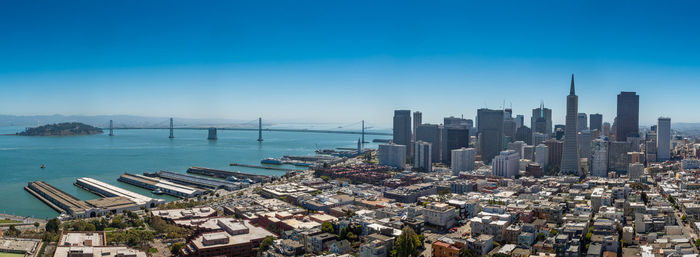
{"x":199,"y":181}
{"x":156,"y":184}
{"x":226,"y":174}
{"x":74,"y":207}
{"x":106,"y":190}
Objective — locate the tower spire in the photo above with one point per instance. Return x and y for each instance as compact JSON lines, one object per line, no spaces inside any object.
{"x":572,"y":92}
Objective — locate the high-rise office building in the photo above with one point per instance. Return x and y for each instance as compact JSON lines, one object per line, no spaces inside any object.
{"x":392,"y":155}
{"x":518,"y":147}
{"x":422,"y":155}
{"x":542,"y":155}
{"x":606,"y":129}
{"x":506,"y":164}
{"x":584,"y":144}
{"x":402,"y":129}
{"x":519,"y":121}
{"x":538,"y":138}
{"x":528,"y":152}
{"x":556,"y":148}
{"x":541,"y":120}
{"x":663,"y":139}
{"x":596,"y":121}
{"x":617,"y":156}
{"x":463,"y":160}
{"x":570,"y":160}
{"x":581,"y":122}
{"x":417,"y":120}
{"x":490,"y":127}
{"x":453,"y":137}
{"x":456,"y":122}
{"x":523,"y":133}
{"x":430,"y":133}
{"x":599,"y":158}
{"x":627,"y":116}
{"x":509,"y":129}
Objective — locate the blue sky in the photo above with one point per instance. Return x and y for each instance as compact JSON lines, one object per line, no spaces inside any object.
{"x":342,"y":61}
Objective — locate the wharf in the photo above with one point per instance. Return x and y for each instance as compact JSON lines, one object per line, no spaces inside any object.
{"x":57,"y":199}
{"x":262,"y":167}
{"x":164,"y":186}
{"x":226,"y":174}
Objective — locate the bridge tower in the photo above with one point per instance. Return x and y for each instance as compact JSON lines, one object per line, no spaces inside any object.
{"x":111,"y":128}
{"x":212,"y":134}
{"x":260,"y":139}
{"x":171,"y":128}
{"x":363,"y":132}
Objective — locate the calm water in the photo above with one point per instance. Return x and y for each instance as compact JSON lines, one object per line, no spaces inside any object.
{"x":105,"y":158}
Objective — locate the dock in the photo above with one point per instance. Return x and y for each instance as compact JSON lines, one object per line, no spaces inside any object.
{"x":208,"y":183}
{"x":106,"y":190}
{"x":164,"y":186}
{"x":262,"y":167}
{"x":225,"y":174}
{"x":57,"y":199}
{"x":76,"y":208}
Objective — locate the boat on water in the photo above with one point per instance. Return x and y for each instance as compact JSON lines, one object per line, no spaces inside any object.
{"x":272,"y":161}
{"x":43,"y":166}
{"x":157,"y":192}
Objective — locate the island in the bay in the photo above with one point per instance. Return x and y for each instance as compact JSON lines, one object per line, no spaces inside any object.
{"x":62,"y":129}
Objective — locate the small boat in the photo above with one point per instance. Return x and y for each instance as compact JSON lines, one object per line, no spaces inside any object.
{"x":43,"y":166}
{"x":157,"y":192}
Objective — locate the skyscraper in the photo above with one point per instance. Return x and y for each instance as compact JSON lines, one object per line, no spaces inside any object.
{"x":422,"y":157}
{"x":663,"y":139}
{"x":430,"y":133}
{"x":417,"y":120}
{"x":392,"y":155}
{"x":555,"y":149}
{"x":584,"y":144}
{"x":596,"y":120}
{"x":462,"y":160}
{"x":627,"y":116}
{"x":506,"y":164}
{"x":569,"y":158}
{"x":402,"y":129}
{"x":490,"y":127}
{"x":599,"y":158}
{"x":542,"y":155}
{"x":606,"y":129}
{"x":541,"y":120}
{"x":453,"y":137}
{"x":582,"y":122}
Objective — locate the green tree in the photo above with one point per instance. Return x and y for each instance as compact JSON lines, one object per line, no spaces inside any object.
{"x":327,"y":227}
{"x":90,"y":227}
{"x":697,"y":243}
{"x":684,"y":218}
{"x":176,"y":247}
{"x":352,"y":237}
{"x":408,"y":243}
{"x":553,"y":232}
{"x":266,"y":243}
{"x":540,"y":236}
{"x":12,"y":231}
{"x":53,"y":225}
{"x":36,"y":225}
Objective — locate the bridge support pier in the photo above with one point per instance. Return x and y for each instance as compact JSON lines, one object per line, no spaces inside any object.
{"x":171,"y":129}
{"x":111,"y":128}
{"x":260,"y":139}
{"x":212,"y":134}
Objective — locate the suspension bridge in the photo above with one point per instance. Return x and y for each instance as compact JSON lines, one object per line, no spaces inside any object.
{"x":249,"y":126}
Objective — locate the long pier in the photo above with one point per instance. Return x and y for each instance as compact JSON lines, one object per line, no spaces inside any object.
{"x":226,"y":174}
{"x":273,"y":129}
{"x":262,"y":167}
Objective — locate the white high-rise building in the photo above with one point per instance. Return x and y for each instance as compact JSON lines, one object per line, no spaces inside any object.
{"x":518,"y":147}
{"x":392,"y":155}
{"x":463,"y":160}
{"x":422,"y":153}
{"x":599,"y":158}
{"x":506,"y":164}
{"x":635,"y":171}
{"x":663,"y":139}
{"x":542,"y":156}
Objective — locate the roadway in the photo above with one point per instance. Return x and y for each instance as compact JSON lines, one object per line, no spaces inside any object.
{"x":273,"y":129}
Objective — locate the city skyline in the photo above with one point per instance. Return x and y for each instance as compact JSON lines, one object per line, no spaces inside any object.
{"x":246,"y":61}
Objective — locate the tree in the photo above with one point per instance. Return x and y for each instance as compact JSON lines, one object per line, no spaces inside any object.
{"x":645,"y":198}
{"x":327,"y":227}
{"x":408,"y":243}
{"x":352,"y":237}
{"x":176,"y":247}
{"x":684,"y":218}
{"x":90,"y":227}
{"x":12,"y":231}
{"x":36,"y":225}
{"x":540,"y":236}
{"x":53,"y":225}
{"x":697,"y":243}
{"x":266,"y":243}
{"x":553,"y":232}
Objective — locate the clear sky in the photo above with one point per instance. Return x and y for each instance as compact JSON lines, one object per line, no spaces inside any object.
{"x":343,"y":61}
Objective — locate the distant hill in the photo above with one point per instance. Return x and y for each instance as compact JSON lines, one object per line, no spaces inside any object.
{"x":62,"y":129}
